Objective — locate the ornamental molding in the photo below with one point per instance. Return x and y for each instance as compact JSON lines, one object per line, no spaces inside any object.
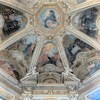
{"x":51,"y":30}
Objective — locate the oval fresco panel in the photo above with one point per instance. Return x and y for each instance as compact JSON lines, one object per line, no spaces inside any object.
{"x":49,"y":18}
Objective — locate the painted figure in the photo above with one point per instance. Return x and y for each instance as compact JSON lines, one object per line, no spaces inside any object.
{"x":50,"y":21}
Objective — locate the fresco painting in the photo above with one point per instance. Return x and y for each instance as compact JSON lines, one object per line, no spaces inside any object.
{"x":49,"y":19}
{"x":49,"y":55}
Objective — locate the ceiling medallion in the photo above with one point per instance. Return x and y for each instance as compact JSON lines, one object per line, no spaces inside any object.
{"x":49,"y":19}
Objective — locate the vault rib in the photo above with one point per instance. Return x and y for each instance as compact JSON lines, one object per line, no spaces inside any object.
{"x":37,"y":52}
{"x":16,"y":5}
{"x":83,"y":6}
{"x":18,"y":35}
{"x":84,"y":37}
{"x":61,"y":51}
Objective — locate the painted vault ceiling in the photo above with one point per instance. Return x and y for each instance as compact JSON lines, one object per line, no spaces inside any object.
{"x":49,"y":43}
